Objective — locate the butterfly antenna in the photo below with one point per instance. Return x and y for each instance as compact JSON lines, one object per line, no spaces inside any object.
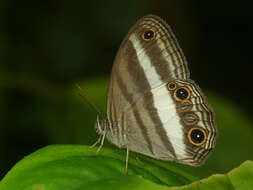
{"x":83,"y":95}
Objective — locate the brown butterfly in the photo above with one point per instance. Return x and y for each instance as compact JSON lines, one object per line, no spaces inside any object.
{"x":153,"y":107}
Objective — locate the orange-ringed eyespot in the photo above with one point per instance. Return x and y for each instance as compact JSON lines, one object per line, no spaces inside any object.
{"x":172,"y":85}
{"x":197,"y":136}
{"x":149,"y":34}
{"x":185,"y":105}
{"x":182,"y":93}
{"x":190,"y":119}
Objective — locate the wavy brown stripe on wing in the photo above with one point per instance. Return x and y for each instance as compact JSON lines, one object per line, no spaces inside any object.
{"x":202,"y":104}
{"x":171,"y":46}
{"x":178,"y":58}
{"x":168,"y":39}
{"x":201,"y":155}
{"x":158,"y":125}
{"x":208,"y":116}
{"x":173,"y":42}
{"x":163,"y":65}
{"x":139,"y":121}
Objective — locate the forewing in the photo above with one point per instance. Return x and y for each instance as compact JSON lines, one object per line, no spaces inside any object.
{"x":141,"y":65}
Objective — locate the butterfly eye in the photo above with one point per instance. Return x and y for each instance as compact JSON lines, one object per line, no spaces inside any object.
{"x":148,"y":35}
{"x":172,"y":85}
{"x":190,"y":119}
{"x":197,"y":136}
{"x":182,"y":93}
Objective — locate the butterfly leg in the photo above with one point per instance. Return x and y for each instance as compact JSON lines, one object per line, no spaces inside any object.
{"x":102,"y":143}
{"x":127,"y":156}
{"x":93,"y":145}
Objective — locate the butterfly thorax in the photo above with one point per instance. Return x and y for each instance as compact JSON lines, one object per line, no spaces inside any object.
{"x":101,"y":125}
{"x":112,"y":131}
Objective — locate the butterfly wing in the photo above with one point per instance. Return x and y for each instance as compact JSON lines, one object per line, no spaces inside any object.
{"x":164,"y":129}
{"x":141,"y":65}
{"x":143,"y":108}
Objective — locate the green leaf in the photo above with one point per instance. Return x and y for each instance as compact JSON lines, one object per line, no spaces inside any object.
{"x":70,"y":167}
{"x":76,"y":168}
{"x":239,"y":178}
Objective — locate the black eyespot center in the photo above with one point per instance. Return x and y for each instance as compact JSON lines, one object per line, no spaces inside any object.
{"x":148,"y":34}
{"x":182,"y":93}
{"x":197,"y":136}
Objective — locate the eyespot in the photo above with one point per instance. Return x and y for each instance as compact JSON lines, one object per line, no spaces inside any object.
{"x":190,"y":119}
{"x":182,"y":93}
{"x":184,"y":106}
{"x":148,"y":34}
{"x":172,"y":85}
{"x":197,"y":136}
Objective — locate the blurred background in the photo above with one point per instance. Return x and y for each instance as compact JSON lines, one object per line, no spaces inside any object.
{"x":48,"y":46}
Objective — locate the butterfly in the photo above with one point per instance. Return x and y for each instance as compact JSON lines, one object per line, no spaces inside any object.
{"x":153,"y":107}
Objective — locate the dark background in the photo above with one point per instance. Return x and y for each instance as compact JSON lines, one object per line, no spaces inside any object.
{"x":48,"y":46}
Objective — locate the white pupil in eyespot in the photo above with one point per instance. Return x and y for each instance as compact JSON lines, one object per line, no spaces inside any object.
{"x":197,"y":136}
{"x":148,"y":34}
